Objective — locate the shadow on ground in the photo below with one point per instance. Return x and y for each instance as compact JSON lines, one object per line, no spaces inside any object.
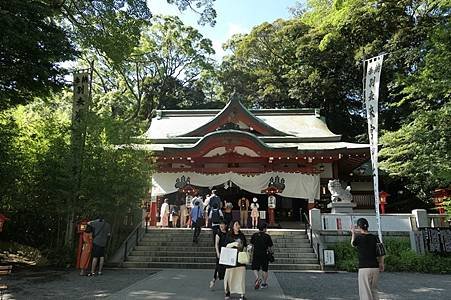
{"x":341,"y":286}
{"x":57,"y":284}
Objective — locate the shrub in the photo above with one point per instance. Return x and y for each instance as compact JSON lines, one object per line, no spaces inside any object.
{"x":399,"y":258}
{"x":18,"y":253}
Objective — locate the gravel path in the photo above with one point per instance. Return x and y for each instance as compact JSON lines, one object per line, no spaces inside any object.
{"x":317,"y":285}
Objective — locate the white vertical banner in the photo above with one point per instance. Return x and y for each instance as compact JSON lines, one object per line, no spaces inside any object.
{"x":372,"y":81}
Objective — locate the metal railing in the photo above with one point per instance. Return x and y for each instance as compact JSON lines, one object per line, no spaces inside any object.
{"x":133,"y":239}
{"x":314,"y":239}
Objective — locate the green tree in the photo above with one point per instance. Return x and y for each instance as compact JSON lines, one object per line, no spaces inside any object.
{"x":421,"y":151}
{"x":260,"y":63}
{"x":320,"y":56}
{"x":36,"y":37}
{"x":31,"y":46}
{"x":38,"y":183}
{"x":160,"y":73}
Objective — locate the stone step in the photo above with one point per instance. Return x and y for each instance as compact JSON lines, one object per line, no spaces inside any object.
{"x":210,"y":238}
{"x":173,"y":248}
{"x":211,"y":266}
{"x":212,"y":254}
{"x":201,"y":248}
{"x":177,"y":232}
{"x":176,"y":259}
{"x":210,"y":243}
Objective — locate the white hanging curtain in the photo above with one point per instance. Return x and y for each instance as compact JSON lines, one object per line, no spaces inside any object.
{"x":296,"y":185}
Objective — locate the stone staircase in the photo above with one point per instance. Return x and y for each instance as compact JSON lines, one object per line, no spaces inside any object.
{"x":173,"y":248}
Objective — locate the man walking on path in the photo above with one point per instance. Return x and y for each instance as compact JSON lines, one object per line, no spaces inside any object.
{"x":262,"y":246}
{"x":101,"y":232}
{"x":197,"y":215}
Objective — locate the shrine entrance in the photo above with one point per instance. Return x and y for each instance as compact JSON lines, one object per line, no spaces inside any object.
{"x":288,"y":211}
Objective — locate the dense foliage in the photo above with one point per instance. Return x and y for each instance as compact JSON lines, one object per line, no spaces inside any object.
{"x":315,"y":60}
{"x":31,"y":46}
{"x":38,"y":179}
{"x":400,"y":258}
{"x":36,"y":182}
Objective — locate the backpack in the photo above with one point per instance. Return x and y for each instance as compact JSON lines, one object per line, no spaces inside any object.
{"x":175,"y":211}
{"x":215,"y":216}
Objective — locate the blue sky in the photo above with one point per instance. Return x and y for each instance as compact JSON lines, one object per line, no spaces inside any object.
{"x":234,"y":16}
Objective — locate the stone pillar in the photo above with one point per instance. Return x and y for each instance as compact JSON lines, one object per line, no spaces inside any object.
{"x":315,"y":218}
{"x":421,"y":216}
{"x":341,"y":207}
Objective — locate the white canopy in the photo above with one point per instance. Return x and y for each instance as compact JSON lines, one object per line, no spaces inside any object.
{"x":296,"y":185}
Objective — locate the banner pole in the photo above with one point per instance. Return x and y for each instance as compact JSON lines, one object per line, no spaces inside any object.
{"x":372,"y":69}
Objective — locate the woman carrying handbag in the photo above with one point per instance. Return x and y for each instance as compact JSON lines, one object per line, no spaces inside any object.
{"x":371,"y":260}
{"x":235,"y":277}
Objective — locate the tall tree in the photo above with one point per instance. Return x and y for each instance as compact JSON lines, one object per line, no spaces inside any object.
{"x":160,"y":73}
{"x":36,"y":39}
{"x":31,"y":46}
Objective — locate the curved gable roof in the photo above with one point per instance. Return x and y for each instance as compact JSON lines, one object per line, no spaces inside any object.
{"x":229,"y":138}
{"x":235,"y":112}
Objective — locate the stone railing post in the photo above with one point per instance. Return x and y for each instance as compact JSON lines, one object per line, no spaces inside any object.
{"x":421,"y":217}
{"x":315,"y":218}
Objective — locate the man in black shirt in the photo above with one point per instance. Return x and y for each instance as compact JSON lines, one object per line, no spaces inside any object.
{"x":369,"y":263}
{"x":262,"y":243}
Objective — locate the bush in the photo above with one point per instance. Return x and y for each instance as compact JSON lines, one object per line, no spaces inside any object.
{"x":12,"y":252}
{"x":399,"y":258}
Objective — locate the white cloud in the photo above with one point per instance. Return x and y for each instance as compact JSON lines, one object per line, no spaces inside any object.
{"x":234,"y":29}
{"x":219,"y":52}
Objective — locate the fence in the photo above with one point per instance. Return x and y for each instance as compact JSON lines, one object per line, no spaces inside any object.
{"x":389,"y":222}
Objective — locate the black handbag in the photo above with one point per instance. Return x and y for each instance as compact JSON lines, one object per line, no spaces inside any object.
{"x":270,"y":257}
{"x":380,"y":248}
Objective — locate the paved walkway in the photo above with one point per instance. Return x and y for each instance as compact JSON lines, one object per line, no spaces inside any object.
{"x":192,"y":284}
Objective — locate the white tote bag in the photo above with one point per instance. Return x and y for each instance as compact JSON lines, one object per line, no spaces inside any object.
{"x":228,"y":256}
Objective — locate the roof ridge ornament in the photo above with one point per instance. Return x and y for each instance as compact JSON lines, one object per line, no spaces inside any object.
{"x":234,"y":96}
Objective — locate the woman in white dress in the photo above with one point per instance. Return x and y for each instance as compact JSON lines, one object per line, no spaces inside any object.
{"x":235,"y":277}
{"x":164,"y":213}
{"x":254,"y":213}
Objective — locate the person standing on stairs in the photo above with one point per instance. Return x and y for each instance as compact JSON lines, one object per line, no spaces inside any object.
{"x":220,"y":241}
{"x":175,"y":213}
{"x":254,"y":213}
{"x":197,"y":216}
{"x":228,"y":206}
{"x":243,"y":203}
{"x":216,"y":216}
{"x":164,"y":213}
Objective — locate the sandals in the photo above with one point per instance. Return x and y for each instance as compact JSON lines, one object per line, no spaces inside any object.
{"x":257,"y":283}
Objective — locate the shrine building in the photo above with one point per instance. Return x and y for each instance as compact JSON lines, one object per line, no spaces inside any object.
{"x":240,"y":152}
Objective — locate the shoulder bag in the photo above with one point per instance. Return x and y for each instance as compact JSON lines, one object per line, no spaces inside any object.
{"x":380,"y":249}
{"x":244,"y":257}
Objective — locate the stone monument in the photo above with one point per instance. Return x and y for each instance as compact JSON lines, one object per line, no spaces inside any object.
{"x":341,"y":198}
